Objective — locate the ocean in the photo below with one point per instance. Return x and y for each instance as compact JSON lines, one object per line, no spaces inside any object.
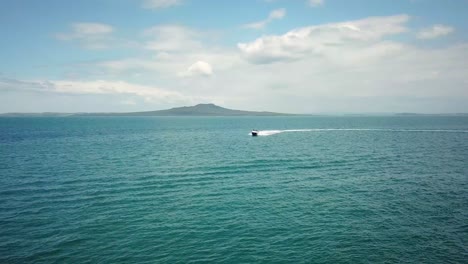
{"x":308,"y":189}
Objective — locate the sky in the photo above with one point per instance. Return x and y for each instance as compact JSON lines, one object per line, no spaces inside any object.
{"x":292,"y":56}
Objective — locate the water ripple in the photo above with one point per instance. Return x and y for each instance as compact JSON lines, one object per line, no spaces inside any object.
{"x":89,"y":190}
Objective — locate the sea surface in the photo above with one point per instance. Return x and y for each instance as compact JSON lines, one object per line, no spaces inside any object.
{"x":331,"y":189}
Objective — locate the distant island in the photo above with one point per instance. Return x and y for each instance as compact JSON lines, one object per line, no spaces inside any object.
{"x":197,"y":110}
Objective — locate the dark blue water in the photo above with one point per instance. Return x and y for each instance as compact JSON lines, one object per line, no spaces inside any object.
{"x":167,"y":189}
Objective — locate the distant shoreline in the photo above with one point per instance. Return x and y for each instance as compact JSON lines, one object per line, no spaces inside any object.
{"x":19,"y":115}
{"x":211,"y":110}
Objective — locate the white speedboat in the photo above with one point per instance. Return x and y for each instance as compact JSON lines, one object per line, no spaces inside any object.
{"x":254,"y":133}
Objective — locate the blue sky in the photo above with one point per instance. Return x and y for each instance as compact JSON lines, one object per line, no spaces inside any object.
{"x":302,"y":56}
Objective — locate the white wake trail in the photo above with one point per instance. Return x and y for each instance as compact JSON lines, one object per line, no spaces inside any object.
{"x":274,"y":132}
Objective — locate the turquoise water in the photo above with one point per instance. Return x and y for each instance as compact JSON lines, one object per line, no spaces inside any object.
{"x":176,"y":189}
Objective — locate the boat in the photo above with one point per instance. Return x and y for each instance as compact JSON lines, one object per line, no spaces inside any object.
{"x":254,"y":133}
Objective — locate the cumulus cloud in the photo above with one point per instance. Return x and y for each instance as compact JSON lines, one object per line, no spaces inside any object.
{"x":315,"y":3}
{"x":199,"y":68}
{"x":296,"y":43}
{"x":435,"y":31}
{"x":160,"y":4}
{"x":373,"y":77}
{"x":89,"y":35}
{"x":356,"y":66}
{"x":275,"y":14}
{"x":176,"y":49}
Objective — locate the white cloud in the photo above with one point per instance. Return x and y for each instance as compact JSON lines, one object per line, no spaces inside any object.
{"x":373,"y":77}
{"x":8,"y":84}
{"x":179,"y":51}
{"x":339,"y":67}
{"x":84,"y":94}
{"x":315,"y":3}
{"x":171,"y":65}
{"x":199,"y":68}
{"x":296,"y":43}
{"x":172,"y":38}
{"x":127,"y":64}
{"x":90,"y":87}
{"x":176,"y":48}
{"x":435,"y":31}
{"x":115,"y":87}
{"x":86,"y":29}
{"x":352,"y":66}
{"x":89,"y":35}
{"x":275,"y":14}
{"x":160,"y":4}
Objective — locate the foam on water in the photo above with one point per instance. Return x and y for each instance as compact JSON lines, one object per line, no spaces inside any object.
{"x":274,"y":132}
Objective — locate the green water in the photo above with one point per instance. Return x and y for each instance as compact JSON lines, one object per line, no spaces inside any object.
{"x":200,"y":189}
